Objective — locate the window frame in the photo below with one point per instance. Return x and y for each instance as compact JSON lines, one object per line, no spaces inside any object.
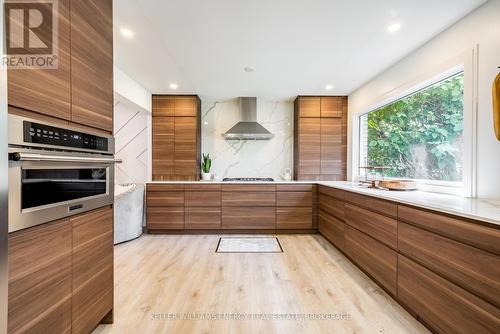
{"x":466,"y":63}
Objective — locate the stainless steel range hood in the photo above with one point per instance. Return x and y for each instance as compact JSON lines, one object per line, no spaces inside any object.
{"x":248,"y":128}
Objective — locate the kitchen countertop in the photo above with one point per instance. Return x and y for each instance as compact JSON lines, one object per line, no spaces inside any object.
{"x":485,"y":210}
{"x":237,"y":182}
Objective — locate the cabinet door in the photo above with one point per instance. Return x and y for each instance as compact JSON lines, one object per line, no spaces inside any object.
{"x":294,"y":218}
{"x":309,"y":146}
{"x":163,"y":148}
{"x":92,"y":268}
{"x":92,"y":63}
{"x":40,"y":279}
{"x":332,"y":229}
{"x":443,"y":306}
{"x":309,"y":106}
{"x":163,"y":105}
{"x":165,"y":218}
{"x":203,"y":218}
{"x":372,"y":256}
{"x":186,"y":148}
{"x":186,"y":106}
{"x":247,"y":218}
{"x":46,"y":91}
{"x":332,"y":106}
{"x":331,"y":146}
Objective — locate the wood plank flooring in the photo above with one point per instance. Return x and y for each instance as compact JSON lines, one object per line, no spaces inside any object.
{"x":161,"y":276}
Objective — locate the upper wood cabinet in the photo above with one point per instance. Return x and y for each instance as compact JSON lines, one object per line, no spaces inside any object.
{"x":163,"y":148}
{"x":46,"y":91}
{"x":309,"y":146}
{"x":309,"y":106}
{"x":92,"y":63}
{"x":176,"y":137}
{"x":185,"y":147}
{"x":80,"y":90}
{"x":320,"y":145}
{"x":332,"y":106}
{"x":163,"y":105}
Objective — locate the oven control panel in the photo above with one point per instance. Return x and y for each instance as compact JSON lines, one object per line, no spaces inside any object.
{"x":50,"y":135}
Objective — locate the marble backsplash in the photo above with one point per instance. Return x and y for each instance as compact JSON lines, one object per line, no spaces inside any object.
{"x":248,"y":158}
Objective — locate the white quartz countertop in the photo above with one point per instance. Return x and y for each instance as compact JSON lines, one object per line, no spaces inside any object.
{"x":235,"y":182}
{"x":486,"y":210}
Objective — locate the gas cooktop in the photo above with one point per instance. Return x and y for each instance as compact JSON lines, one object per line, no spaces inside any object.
{"x":248,"y":179}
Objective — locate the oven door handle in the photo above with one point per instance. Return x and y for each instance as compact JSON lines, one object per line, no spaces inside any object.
{"x":61,"y":158}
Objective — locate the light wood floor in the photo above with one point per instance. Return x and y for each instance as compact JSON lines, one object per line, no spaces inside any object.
{"x":158,"y":275}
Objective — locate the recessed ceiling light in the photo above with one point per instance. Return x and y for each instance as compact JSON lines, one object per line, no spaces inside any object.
{"x":173,"y":85}
{"x":393,"y":27}
{"x":249,"y":69}
{"x":127,"y":32}
{"x":329,"y":87}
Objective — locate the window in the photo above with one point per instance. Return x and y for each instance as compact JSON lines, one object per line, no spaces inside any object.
{"x":419,"y":136}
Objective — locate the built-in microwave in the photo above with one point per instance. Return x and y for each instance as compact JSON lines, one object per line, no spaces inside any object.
{"x":56,"y":172}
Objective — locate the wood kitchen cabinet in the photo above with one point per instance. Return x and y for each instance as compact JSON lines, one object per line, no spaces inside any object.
{"x":92,"y":269}
{"x":80,"y":90}
{"x":295,"y":209}
{"x":61,"y":275}
{"x":165,"y":207}
{"x":46,"y":91}
{"x":202,"y":207}
{"x":378,"y":260}
{"x":442,"y":305}
{"x":92,"y":63}
{"x":247,"y":207}
{"x":40,"y":279}
{"x":320,"y":143}
{"x":176,"y":139}
{"x":163,"y":148}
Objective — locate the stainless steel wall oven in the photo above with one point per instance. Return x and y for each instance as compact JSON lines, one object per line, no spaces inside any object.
{"x":56,"y":171}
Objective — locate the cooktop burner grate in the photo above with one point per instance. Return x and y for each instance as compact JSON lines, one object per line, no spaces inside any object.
{"x":248,"y":179}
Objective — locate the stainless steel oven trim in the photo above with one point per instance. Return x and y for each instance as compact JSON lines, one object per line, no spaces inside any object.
{"x":16,"y":132}
{"x":20,"y":219}
{"x":62,"y":158}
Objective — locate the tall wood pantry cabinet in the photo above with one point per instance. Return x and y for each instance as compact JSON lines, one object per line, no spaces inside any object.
{"x":320,"y":146}
{"x":176,"y":137}
{"x":80,"y":90}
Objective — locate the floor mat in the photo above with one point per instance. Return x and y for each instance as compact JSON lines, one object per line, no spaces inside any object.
{"x":249,"y":245}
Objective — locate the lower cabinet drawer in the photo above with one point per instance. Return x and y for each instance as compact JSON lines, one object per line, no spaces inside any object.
{"x":169,"y":218}
{"x":165,"y":198}
{"x":375,"y":258}
{"x":471,"y":268}
{"x":332,"y":229}
{"x":248,"y":198}
{"x":294,"y":198}
{"x":294,"y":218}
{"x":445,"y":307}
{"x":378,"y":226}
{"x":333,"y":206}
{"x":249,"y":218}
{"x":202,"y":218}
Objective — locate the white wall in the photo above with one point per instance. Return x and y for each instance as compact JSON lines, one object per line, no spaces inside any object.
{"x":250,"y":158}
{"x":131,"y":90}
{"x":479,"y":30}
{"x":132,"y":130}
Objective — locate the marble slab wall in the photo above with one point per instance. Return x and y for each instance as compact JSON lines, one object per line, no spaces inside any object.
{"x":131,"y":142}
{"x":248,"y":158}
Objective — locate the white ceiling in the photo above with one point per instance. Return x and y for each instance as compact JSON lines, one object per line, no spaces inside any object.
{"x":296,"y":46}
